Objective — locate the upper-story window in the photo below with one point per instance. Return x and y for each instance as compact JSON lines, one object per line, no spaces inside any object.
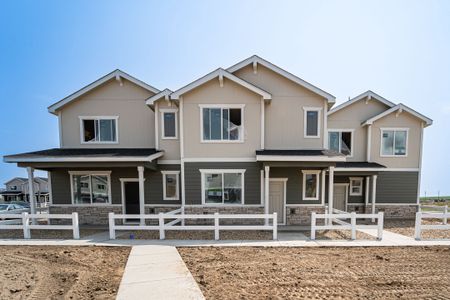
{"x":394,"y":142}
{"x":222,"y":123}
{"x":169,"y":124}
{"x":312,"y":122}
{"x":341,"y":141}
{"x":98,"y":130}
{"x":13,"y":187}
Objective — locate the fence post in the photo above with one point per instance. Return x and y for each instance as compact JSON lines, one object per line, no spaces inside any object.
{"x":162,"y":235}
{"x":26,"y":225}
{"x":275,"y":226}
{"x":353,"y":223}
{"x":380,"y":225}
{"x":182,"y":213}
{"x":418,"y":228}
{"x":112,"y":223}
{"x":445,"y":214}
{"x":216,"y":226}
{"x":75,"y":226}
{"x":313,"y":225}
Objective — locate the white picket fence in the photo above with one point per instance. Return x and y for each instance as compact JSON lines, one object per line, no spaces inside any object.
{"x":339,"y":216}
{"x":178,"y":217}
{"x":22,"y":221}
{"x":431,"y":215}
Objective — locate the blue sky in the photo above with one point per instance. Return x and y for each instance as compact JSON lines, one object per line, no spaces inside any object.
{"x":49,"y":49}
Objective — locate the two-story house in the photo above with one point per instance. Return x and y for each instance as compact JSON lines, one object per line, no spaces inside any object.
{"x":252,"y":138}
{"x":16,"y":189}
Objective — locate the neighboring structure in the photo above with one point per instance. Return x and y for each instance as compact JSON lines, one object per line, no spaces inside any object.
{"x":17,"y":188}
{"x":249,"y":139}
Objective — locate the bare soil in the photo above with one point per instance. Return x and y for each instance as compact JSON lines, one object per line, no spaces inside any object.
{"x":196,"y":235}
{"x":320,"y":273}
{"x":406,"y":227}
{"x":53,"y":272}
{"x":339,"y":235}
{"x":47,"y":234}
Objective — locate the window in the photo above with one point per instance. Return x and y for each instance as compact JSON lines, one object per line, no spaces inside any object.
{"x":341,"y":141}
{"x":13,"y":188}
{"x":223,"y":187}
{"x":170,"y":185}
{"x":169,"y":124}
{"x":356,"y":184}
{"x":98,"y":129}
{"x":90,"y":187}
{"x":310,"y":190}
{"x":311,"y":122}
{"x":394,"y":142}
{"x":222,"y":123}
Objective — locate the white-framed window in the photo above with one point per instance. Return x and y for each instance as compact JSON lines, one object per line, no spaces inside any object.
{"x":310,"y":186}
{"x":169,"y":124}
{"x":13,"y":188}
{"x":394,"y":142}
{"x":311,"y":122}
{"x":341,"y":140}
{"x":99,"y":129}
{"x":90,"y":187}
{"x":222,"y":187}
{"x":356,"y":186}
{"x":222,"y":123}
{"x":171,"y":187}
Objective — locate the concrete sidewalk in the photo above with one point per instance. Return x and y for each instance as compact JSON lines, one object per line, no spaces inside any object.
{"x":157,"y":272}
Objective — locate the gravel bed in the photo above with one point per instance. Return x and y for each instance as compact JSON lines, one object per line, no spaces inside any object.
{"x":407,"y":228}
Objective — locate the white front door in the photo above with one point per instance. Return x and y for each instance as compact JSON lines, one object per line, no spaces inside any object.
{"x":340,"y":197}
{"x":276,"y":199}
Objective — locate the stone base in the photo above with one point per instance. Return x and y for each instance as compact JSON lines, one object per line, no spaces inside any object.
{"x":301,"y":215}
{"x":87,"y":215}
{"x":395,"y":211}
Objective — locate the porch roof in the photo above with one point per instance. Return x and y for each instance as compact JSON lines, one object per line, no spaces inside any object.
{"x":10,"y":193}
{"x":87,"y":155}
{"x":314,"y":155}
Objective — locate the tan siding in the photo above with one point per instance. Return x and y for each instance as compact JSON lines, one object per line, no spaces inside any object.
{"x":136,"y":119}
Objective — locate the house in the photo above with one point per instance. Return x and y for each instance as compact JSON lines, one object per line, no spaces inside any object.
{"x":252,"y":138}
{"x":17,"y":189}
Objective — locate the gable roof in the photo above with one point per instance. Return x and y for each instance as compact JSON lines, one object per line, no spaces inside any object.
{"x":402,"y":108}
{"x":258,"y":60}
{"x":364,"y":95}
{"x":22,"y":179}
{"x":114,"y":74}
{"x":165,"y":93}
{"x":221,"y":73}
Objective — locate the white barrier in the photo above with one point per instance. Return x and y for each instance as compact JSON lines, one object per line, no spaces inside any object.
{"x":343,"y":225}
{"x":162,"y":226}
{"x":22,"y":221}
{"x":422,"y":215}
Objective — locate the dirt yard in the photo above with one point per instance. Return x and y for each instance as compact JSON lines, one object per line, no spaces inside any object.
{"x":320,"y":273}
{"x":32,"y":272}
{"x":406,"y":227}
{"x":339,"y":235}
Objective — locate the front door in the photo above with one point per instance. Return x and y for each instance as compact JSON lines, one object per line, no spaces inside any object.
{"x":276,"y":199}
{"x":131,"y":199}
{"x":340,"y":197}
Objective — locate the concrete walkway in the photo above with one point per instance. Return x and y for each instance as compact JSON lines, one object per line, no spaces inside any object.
{"x":157,"y":272}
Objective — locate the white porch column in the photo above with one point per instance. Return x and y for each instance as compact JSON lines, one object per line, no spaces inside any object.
{"x":374,"y":194}
{"x":141,"y":193}
{"x":30,"y":171}
{"x":323,"y":186}
{"x":266,"y":192}
{"x":330,"y":189}
{"x":367,"y":191}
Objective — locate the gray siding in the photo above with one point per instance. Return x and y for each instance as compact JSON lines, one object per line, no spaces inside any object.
{"x":252,"y":188}
{"x":397,"y":187}
{"x":153,"y":189}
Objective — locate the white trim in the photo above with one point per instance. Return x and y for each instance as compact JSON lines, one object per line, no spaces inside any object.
{"x":220,"y":73}
{"x":305,"y":112}
{"x":276,"y":69}
{"x":400,"y":107}
{"x":284,"y":181}
{"x":263,"y":112}
{"x":323,"y":185}
{"x":87,"y":159}
{"x":376,"y":169}
{"x":222,"y":171}
{"x":310,"y":172}
{"x":369,"y":143}
{"x":220,"y":159}
{"x":169,"y":161}
{"x":299,"y":158}
{"x":90,"y":173}
{"x":369,"y":94}
{"x":169,"y":110}
{"x":366,"y":198}
{"x":340,"y":131}
{"x":346,"y":193}
{"x":156,"y":126}
{"x":54,"y":107}
{"x":382,"y":130}
{"x":360,"y":179}
{"x":164,"y":174}
{"x":222,"y":107}
{"x":153,"y":99}
{"x":95,"y":118}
